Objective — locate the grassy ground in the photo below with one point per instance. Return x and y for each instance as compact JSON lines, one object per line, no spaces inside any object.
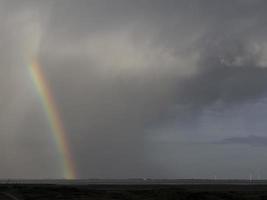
{"x":133,"y":192}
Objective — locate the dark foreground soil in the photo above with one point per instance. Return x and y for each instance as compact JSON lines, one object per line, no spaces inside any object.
{"x":133,"y":192}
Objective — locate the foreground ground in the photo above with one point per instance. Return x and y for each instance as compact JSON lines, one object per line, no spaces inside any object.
{"x":133,"y":191}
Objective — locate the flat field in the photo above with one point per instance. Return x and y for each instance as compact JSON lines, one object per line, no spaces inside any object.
{"x":134,"y":191}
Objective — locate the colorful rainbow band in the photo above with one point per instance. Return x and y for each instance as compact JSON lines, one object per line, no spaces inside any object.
{"x":58,"y":130}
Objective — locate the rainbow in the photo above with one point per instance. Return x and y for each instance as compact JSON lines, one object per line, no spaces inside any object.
{"x":58,"y":130}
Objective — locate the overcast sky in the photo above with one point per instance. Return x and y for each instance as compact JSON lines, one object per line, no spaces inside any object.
{"x":145,"y":88}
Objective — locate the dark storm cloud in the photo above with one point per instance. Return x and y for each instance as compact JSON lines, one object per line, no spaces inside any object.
{"x":229,"y":73}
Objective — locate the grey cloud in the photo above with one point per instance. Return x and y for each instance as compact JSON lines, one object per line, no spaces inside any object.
{"x":109,"y":103}
{"x":119,"y":68}
{"x":252,"y":140}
